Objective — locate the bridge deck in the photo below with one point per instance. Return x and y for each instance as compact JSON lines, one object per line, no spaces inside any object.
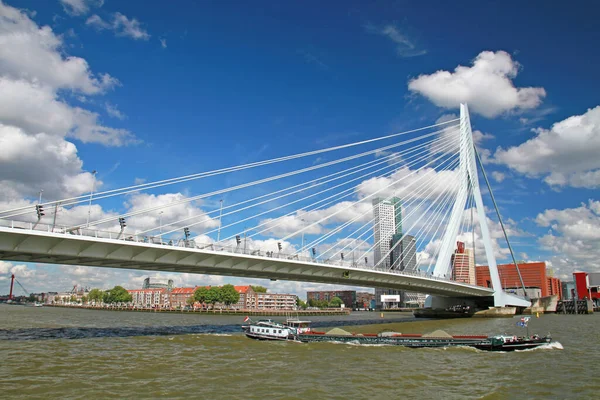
{"x":29,"y":245}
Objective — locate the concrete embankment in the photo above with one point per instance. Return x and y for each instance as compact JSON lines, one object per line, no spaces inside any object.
{"x":270,"y":313}
{"x":496,"y":312}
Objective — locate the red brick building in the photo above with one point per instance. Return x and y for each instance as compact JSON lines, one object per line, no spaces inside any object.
{"x":348,"y":297}
{"x":555,"y":287}
{"x":534,"y":276}
{"x":180,"y":296}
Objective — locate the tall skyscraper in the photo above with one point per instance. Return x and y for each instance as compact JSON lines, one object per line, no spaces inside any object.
{"x":404,"y":253}
{"x":388,"y":221}
{"x":388,"y":224}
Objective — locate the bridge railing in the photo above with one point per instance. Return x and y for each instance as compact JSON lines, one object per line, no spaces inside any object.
{"x":239,"y":250}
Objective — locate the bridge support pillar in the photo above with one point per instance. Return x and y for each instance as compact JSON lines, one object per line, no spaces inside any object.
{"x":469,"y":181}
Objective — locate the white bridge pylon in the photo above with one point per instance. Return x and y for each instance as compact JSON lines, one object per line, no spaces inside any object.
{"x":469,"y":180}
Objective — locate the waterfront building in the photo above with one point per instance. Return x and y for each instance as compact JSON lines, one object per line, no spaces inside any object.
{"x":568,"y":290}
{"x":364,"y":300}
{"x":275,"y":301}
{"x":348,"y":297}
{"x":155,"y":298}
{"x":414,"y":299}
{"x":178,"y":297}
{"x":587,"y":286}
{"x":534,"y":275}
{"x":463,"y":265}
{"x":248,"y":298}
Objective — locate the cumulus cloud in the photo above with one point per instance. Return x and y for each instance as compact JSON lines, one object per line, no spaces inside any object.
{"x":36,"y":108}
{"x":572,"y":237}
{"x":36,"y":120}
{"x":32,"y":162}
{"x":36,"y":54}
{"x":486,"y":86}
{"x":565,"y":155}
{"x":120,"y":25}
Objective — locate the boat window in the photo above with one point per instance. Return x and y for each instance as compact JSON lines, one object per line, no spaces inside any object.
{"x":280,"y":331}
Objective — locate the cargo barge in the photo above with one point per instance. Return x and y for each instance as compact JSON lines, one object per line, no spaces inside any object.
{"x":300,"y":331}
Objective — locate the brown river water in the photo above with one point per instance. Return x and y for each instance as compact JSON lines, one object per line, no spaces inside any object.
{"x":87,"y":354}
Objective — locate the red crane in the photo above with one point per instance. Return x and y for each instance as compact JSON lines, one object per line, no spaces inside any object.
{"x":12,"y":284}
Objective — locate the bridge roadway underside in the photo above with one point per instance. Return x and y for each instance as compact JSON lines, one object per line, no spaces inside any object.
{"x":24,"y":245}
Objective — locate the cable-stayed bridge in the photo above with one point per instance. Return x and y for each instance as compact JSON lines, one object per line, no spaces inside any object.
{"x":303,"y":217}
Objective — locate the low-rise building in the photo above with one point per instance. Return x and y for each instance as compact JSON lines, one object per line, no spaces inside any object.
{"x":348,"y":297}
{"x":533,"y":274}
{"x":364,"y":299}
{"x":179,"y":296}
{"x":275,"y":301}
{"x":150,"y":297}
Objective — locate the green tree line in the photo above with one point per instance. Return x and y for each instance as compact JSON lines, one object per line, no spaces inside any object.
{"x":335,"y":302}
{"x":118,"y":294}
{"x":225,"y":294}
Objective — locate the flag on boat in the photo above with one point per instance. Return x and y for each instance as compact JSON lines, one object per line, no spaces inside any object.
{"x":247,"y":319}
{"x":523,"y":322}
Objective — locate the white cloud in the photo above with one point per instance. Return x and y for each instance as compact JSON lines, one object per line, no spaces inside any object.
{"x":33,"y":162}
{"x":565,"y":155}
{"x":80,"y":7}
{"x":163,"y":43}
{"x":572,"y":237}
{"x":120,"y":25}
{"x":114,"y":112}
{"x":36,"y":108}
{"x":308,"y":221}
{"x":410,"y":184}
{"x":35,"y":119}
{"x":486,"y":86}
{"x":36,"y":54}
{"x":170,"y":215}
{"x":498,"y":176}
{"x":404,"y":46}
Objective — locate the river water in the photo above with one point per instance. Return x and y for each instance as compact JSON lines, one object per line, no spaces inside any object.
{"x":86,"y":354}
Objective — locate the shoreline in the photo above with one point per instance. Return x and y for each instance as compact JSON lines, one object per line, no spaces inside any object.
{"x":274,"y":313}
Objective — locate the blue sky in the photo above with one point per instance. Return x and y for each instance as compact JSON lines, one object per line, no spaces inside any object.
{"x":196,"y":87}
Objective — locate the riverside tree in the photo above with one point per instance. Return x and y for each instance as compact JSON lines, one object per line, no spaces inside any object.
{"x":300,"y":303}
{"x":96,"y":295}
{"x":335,"y":302}
{"x":213,"y":296}
{"x":118,"y":294}
{"x":200,"y":295}
{"x":229,"y":295}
